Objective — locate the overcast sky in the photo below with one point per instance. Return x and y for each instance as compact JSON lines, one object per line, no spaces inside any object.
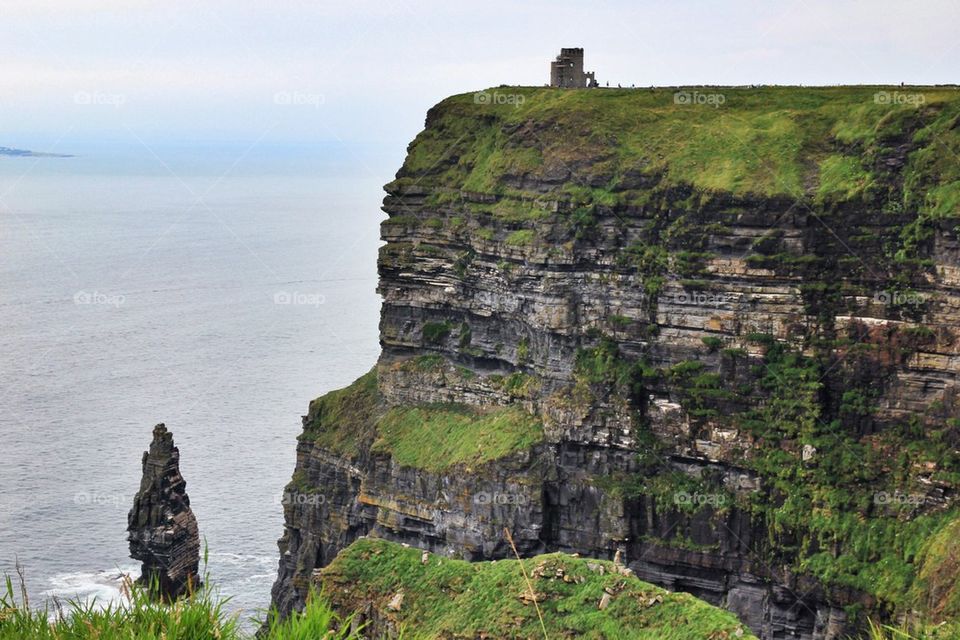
{"x":365,"y":72}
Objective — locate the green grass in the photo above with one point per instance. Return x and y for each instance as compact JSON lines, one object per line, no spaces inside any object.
{"x":944,"y":200}
{"x":317,"y":621}
{"x":936,"y":589}
{"x":712,"y":343}
{"x":342,"y":420}
{"x":436,"y":437}
{"x":436,"y":332}
{"x":917,"y":631}
{"x":432,"y":437}
{"x":517,"y":384}
{"x":200,"y":615}
{"x":513,"y":210}
{"x":842,"y":178}
{"x":790,"y":141}
{"x":447,"y":598}
{"x":520,"y":238}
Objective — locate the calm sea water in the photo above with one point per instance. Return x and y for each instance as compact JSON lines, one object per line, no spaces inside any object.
{"x":214,"y":289}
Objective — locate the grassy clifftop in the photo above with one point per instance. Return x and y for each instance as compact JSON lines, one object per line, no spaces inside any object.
{"x":578,"y":598}
{"x":831,"y":143}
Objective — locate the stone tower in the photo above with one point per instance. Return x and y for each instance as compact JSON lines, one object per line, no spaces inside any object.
{"x":567,"y":70}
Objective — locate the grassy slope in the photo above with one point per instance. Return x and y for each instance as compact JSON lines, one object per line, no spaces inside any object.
{"x":436,"y":437}
{"x":342,"y":419}
{"x":937,"y":588}
{"x":432,"y":437}
{"x":454,"y":598}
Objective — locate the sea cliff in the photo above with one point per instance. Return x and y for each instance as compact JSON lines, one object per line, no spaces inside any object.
{"x":717,"y":337}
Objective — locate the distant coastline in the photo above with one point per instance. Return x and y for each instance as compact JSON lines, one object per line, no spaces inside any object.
{"x":26,"y":153}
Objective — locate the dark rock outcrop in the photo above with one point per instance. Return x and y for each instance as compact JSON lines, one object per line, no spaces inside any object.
{"x":162,"y":529}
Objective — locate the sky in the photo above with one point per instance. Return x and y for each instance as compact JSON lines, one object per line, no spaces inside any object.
{"x":362,"y":74}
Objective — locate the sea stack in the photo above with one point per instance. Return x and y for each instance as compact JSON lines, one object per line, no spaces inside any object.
{"x":163,"y":531}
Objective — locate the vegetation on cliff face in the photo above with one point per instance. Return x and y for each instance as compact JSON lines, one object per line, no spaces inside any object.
{"x":436,"y":437}
{"x":578,"y":598}
{"x":851,"y":513}
{"x":432,"y":437}
{"x":937,"y":589}
{"x":342,"y":419}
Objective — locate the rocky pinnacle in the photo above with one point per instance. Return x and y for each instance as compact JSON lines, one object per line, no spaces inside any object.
{"x":162,"y":529}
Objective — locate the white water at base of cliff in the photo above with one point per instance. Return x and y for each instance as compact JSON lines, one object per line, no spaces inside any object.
{"x":98,"y":588}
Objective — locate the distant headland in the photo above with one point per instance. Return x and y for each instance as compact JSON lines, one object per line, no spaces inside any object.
{"x":26,"y":153}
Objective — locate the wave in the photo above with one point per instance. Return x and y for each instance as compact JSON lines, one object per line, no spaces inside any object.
{"x":98,"y":588}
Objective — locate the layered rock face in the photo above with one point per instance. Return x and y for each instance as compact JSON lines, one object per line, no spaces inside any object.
{"x":735,"y":325}
{"x":162,"y":529}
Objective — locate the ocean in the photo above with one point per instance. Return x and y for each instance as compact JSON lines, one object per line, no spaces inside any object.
{"x":217,"y":289}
